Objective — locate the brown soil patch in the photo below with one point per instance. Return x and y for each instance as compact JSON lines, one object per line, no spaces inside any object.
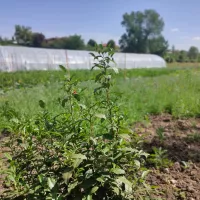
{"x":181,"y":139}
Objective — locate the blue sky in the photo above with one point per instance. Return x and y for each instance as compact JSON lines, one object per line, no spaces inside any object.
{"x":100,"y":19}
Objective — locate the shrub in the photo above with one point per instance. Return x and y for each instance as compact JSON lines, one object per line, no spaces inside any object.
{"x":85,"y":152}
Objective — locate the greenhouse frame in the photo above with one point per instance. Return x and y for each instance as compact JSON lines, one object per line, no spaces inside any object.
{"x":15,"y":58}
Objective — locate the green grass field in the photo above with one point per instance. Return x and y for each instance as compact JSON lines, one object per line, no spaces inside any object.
{"x":143,"y":91}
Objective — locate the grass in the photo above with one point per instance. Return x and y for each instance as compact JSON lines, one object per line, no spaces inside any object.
{"x":143,"y":91}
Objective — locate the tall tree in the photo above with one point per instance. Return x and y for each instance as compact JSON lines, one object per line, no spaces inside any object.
{"x":140,"y":27}
{"x":37,"y":39}
{"x":91,"y":43}
{"x":158,"y":46}
{"x":111,"y":43}
{"x":193,"y":53}
{"x":23,"y":35}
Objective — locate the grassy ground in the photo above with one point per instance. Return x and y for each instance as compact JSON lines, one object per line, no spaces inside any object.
{"x":144,"y":91}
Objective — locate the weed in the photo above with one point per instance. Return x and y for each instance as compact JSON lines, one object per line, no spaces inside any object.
{"x":193,"y":137}
{"x":160,"y":133}
{"x":159,"y":158}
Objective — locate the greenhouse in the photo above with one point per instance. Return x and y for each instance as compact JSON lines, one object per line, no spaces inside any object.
{"x":14,"y":58}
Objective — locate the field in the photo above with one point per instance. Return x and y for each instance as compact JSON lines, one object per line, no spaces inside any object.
{"x":161,"y":106}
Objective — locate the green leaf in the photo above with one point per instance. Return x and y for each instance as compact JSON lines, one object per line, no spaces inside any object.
{"x":94,"y":189}
{"x":115,"y":190}
{"x":72,"y":186}
{"x":89,"y":197}
{"x":101,"y":116}
{"x":79,"y":156}
{"x":92,"y":54}
{"x":137,"y":163}
{"x":8,"y":156}
{"x":99,"y":179}
{"x":66,"y":176}
{"x":51,"y":182}
{"x":125,"y":181}
{"x":42,"y":104}
{"x":144,"y":174}
{"x":82,"y":106}
{"x":125,"y":137}
{"x":115,"y":70}
{"x":40,"y":177}
{"x":77,"y":162}
{"x":63,"y":68}
{"x":118,"y":171}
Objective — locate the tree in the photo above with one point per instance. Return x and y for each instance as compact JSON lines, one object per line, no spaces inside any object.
{"x":72,"y":42}
{"x":193,"y":53}
{"x":5,"y":41}
{"x":111,"y":43}
{"x":158,"y":46}
{"x":37,"y":39}
{"x":140,"y":27}
{"x":182,"y":57}
{"x":91,"y":43}
{"x":23,"y":35}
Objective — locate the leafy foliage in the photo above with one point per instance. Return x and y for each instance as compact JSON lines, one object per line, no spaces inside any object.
{"x":111,"y":44}
{"x":141,"y":27}
{"x":92,"y":43}
{"x":193,"y":53}
{"x":84,"y":152}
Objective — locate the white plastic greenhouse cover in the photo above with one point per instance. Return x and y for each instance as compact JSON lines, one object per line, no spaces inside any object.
{"x":24,"y":58}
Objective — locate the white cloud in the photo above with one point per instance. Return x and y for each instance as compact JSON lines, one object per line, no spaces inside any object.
{"x":197,"y":38}
{"x":174,"y":30}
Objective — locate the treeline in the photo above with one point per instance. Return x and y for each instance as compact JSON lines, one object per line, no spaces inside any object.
{"x":192,"y":55}
{"x":143,"y":34}
{"x":24,"y":36}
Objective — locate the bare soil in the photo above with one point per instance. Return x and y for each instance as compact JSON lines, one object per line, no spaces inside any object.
{"x":178,"y":181}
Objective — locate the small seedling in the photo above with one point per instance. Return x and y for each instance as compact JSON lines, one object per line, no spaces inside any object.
{"x":160,"y":133}
{"x":194,"y":137}
{"x":159,"y":158}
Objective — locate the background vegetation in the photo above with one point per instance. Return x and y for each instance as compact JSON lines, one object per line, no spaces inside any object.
{"x":143,"y":34}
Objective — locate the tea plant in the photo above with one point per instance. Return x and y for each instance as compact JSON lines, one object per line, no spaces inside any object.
{"x":85,"y":152}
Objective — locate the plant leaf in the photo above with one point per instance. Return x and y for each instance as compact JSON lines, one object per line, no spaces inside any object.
{"x":51,"y":182}
{"x":66,"y":176}
{"x":8,"y":156}
{"x":89,"y":197}
{"x":101,"y":116}
{"x":63,"y":68}
{"x":94,"y":189}
{"x":42,"y":104}
{"x":115,"y":70}
{"x":137,"y":163}
{"x":72,"y":186}
{"x":118,"y":171}
{"x":115,"y":190}
{"x":144,"y":174}
{"x":124,"y":180}
{"x":79,"y":156}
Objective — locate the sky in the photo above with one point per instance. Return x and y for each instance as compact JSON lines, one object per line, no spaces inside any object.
{"x":101,"y":19}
